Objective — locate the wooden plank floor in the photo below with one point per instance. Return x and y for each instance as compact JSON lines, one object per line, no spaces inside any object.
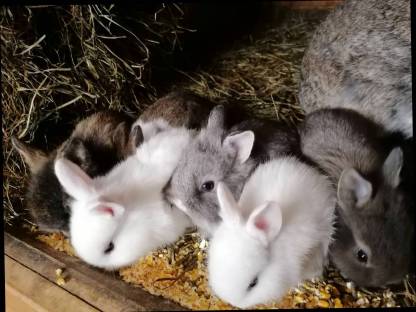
{"x":31,"y":282}
{"x":28,"y":291}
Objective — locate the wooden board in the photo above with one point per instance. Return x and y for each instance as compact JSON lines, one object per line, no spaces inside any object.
{"x":97,"y":289}
{"x":28,"y":291}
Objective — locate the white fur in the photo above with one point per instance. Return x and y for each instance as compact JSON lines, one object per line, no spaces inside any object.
{"x":298,"y":204}
{"x":142,"y":219}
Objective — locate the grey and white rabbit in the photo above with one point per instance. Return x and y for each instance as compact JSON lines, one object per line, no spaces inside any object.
{"x":360,"y":58}
{"x":223,"y":154}
{"x":373,"y":243}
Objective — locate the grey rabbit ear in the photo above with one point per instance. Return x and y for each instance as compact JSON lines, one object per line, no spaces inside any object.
{"x":392,"y":167}
{"x":33,"y":157}
{"x":353,"y":189}
{"x":135,"y":139}
{"x":216,"y":117}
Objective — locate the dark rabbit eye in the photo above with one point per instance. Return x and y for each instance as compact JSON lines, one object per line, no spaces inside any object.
{"x":208,"y":186}
{"x":362,"y":256}
{"x":253,"y":283}
{"x":110,"y":248}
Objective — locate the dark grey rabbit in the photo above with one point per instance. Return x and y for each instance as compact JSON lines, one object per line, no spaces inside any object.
{"x":360,"y":58}
{"x":97,"y":143}
{"x":371,"y":175}
{"x":226,"y":154}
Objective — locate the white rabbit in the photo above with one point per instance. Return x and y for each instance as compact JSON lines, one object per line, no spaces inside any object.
{"x":117,"y":218}
{"x":275,"y":237}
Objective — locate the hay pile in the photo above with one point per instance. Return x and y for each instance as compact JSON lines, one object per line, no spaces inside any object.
{"x":61,"y":63}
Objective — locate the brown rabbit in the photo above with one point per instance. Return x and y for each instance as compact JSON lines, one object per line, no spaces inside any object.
{"x":97,"y":143}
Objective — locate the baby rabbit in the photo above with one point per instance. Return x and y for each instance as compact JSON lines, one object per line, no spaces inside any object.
{"x":360,"y":58}
{"x":275,"y":237}
{"x":228,"y":155}
{"x":375,"y":226}
{"x":97,"y":143}
{"x":119,"y":217}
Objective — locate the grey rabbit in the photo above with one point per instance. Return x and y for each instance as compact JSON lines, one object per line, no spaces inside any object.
{"x":370,"y":172}
{"x":360,"y":58}
{"x":97,"y":144}
{"x":227,"y":152}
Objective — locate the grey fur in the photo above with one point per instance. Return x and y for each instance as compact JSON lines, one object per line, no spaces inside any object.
{"x":360,"y":58}
{"x":354,"y":151}
{"x":207,"y":158}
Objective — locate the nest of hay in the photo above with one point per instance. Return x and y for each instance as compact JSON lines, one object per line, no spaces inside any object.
{"x":261,"y":72}
{"x":61,"y":63}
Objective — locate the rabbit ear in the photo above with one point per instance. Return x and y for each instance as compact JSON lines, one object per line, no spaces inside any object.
{"x":151,"y":128}
{"x":265,"y":222}
{"x":75,"y":181}
{"x":216,"y":118}
{"x":76,"y":147}
{"x":353,"y":189}
{"x":229,"y":210}
{"x":392,"y":167}
{"x":110,"y":210}
{"x":242,"y":143}
{"x":135,"y":139}
{"x":35,"y":158}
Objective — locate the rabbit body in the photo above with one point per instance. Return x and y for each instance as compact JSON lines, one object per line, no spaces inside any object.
{"x":221,"y":154}
{"x":97,"y":143}
{"x":370,"y":175}
{"x":125,"y":211}
{"x":275,"y":237}
{"x":360,"y":58}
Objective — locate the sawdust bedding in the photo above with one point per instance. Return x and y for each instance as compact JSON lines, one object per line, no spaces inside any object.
{"x":179,"y":273}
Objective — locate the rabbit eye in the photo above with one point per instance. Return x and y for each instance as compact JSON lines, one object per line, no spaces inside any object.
{"x":208,"y":186}
{"x":362,"y":256}
{"x":110,"y":248}
{"x":253,"y":283}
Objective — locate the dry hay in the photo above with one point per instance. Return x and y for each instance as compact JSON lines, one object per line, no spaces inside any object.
{"x":60,"y":63}
{"x":262,"y":75}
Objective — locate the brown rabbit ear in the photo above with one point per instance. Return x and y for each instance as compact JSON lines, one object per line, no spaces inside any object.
{"x":33,"y":157}
{"x":120,"y":138}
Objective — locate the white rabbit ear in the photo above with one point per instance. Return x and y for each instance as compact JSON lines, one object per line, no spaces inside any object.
{"x":229,"y":210}
{"x":242,"y":143}
{"x":110,"y":210}
{"x":265,"y":222}
{"x":75,"y":181}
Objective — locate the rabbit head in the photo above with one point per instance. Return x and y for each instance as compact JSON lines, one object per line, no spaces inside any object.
{"x":239,"y":254}
{"x":213,"y":156}
{"x":374,"y":235}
